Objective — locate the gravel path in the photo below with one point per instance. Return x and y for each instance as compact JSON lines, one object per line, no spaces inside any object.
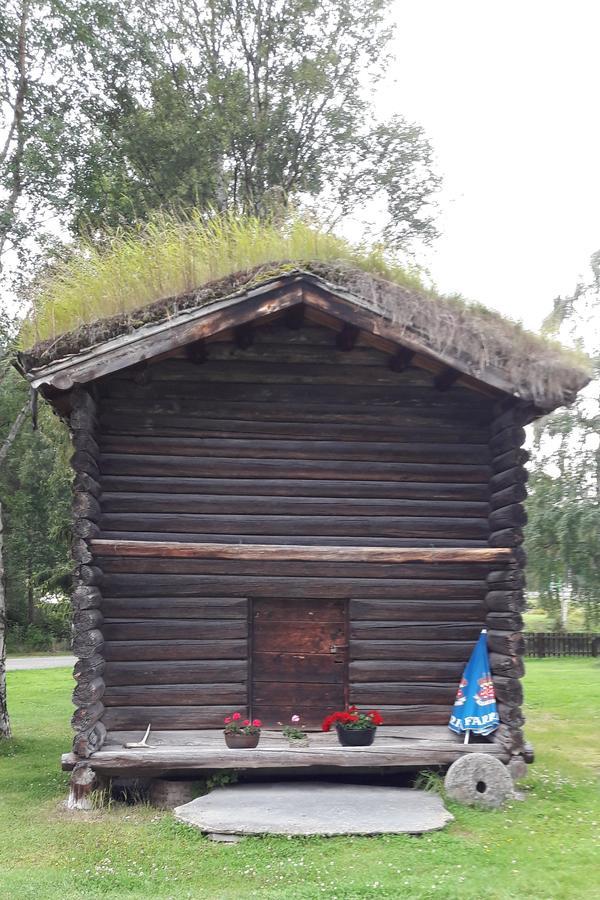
{"x":38,"y":662}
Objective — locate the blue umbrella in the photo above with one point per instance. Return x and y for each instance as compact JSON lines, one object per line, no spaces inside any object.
{"x":475,"y":705}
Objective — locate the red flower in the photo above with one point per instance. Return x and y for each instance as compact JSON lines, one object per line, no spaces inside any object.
{"x":246,"y":722}
{"x":236,"y":716}
{"x":257,"y":723}
{"x":227,"y":720}
{"x":350,"y":717}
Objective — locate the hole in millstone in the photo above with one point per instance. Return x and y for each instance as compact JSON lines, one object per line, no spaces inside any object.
{"x":481,"y":787}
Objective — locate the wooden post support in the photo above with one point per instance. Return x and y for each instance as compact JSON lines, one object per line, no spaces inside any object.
{"x":81,"y":786}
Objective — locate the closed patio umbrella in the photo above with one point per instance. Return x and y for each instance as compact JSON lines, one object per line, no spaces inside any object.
{"x":475,"y":705}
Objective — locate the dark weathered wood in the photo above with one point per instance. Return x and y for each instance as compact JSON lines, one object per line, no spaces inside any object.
{"x":506,"y":642}
{"x":505,"y":621}
{"x":507,"y":517}
{"x":81,"y":787}
{"x":507,"y":478}
{"x":87,"y":618}
{"x":136,"y":585}
{"x":294,"y":668}
{"x":89,"y":668}
{"x":406,"y":670}
{"x":508,"y":690}
{"x":80,"y":552}
{"x":86,"y":597}
{"x":268,"y":505}
{"x":178,"y":757}
{"x":505,"y":601}
{"x":184,"y":717}
{"x":89,"y":575}
{"x":294,"y":568}
{"x":379,"y":693}
{"x":176,"y":629}
{"x":352,"y":526}
{"x":176,"y":695}
{"x":446,"y":379}
{"x":346,"y":338}
{"x":411,"y":650}
{"x":434,"y":631}
{"x":86,"y":743}
{"x":175,"y":607}
{"x":508,"y":439}
{"x":176,"y":672}
{"x":175,"y":549}
{"x":81,"y":461}
{"x":507,"y":537}
{"x":200,"y":420}
{"x":130,"y":651}
{"x":86,"y":716}
{"x":247,"y":449}
{"x":509,"y":460}
{"x":510,"y":714}
{"x":277,"y":487}
{"x":515,"y":493}
{"x":425,"y":610}
{"x":520,"y":414}
{"x":509,"y":578}
{"x":86,"y":506}
{"x":89,"y":691}
{"x":88,"y":643}
{"x":509,"y":737}
{"x":160,"y":394}
{"x":85,"y":529}
{"x":401,"y":360}
{"x":83,"y":440}
{"x":86,"y":484}
{"x":509,"y":666}
{"x":128,"y":464}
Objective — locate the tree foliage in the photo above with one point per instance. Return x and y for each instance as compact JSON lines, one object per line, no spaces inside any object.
{"x":563,"y":535}
{"x":113,"y":112}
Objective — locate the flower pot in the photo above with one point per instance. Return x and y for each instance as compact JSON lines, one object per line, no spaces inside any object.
{"x":241,"y":741}
{"x":355,"y":737}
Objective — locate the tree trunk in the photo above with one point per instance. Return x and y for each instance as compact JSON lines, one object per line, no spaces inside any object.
{"x":5,"y":731}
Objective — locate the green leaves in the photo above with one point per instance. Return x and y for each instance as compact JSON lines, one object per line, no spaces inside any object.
{"x":563,"y":535}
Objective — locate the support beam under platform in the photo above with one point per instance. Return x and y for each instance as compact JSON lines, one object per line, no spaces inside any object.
{"x":189,"y":751}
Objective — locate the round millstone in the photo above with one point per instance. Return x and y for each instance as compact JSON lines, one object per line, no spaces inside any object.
{"x":478,"y":780}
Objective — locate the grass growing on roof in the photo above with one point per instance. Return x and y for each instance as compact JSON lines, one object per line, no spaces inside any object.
{"x":155,"y":271}
{"x":545,"y":847}
{"x":172,"y":255}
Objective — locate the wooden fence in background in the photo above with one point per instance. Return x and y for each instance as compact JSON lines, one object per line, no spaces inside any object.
{"x":560,"y":643}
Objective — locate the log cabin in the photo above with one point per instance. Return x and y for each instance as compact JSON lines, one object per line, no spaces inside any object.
{"x":294,"y":492}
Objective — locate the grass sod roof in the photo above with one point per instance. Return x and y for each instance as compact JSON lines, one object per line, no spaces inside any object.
{"x":533,"y":368}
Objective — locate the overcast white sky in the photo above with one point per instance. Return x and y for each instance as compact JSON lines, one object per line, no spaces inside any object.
{"x":508,"y":95}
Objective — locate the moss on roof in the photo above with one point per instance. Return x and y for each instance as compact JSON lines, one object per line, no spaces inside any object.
{"x":136,"y":272}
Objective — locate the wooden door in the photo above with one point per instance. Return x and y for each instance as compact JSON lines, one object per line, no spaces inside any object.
{"x":299,"y":659}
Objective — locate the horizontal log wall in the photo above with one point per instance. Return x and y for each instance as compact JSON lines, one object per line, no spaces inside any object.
{"x":284,"y":438}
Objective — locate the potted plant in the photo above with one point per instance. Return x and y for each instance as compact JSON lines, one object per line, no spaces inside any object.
{"x":295,"y":734}
{"x":354,"y":728}
{"x":241,"y":734}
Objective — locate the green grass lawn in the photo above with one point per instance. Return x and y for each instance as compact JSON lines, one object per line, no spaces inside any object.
{"x":545,"y":847}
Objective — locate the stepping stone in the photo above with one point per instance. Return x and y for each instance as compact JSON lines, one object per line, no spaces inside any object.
{"x":315,"y":808}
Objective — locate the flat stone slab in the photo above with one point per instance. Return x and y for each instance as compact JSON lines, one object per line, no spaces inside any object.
{"x":315,"y":808}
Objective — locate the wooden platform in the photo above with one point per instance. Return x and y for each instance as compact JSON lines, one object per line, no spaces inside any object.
{"x":189,"y":751}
